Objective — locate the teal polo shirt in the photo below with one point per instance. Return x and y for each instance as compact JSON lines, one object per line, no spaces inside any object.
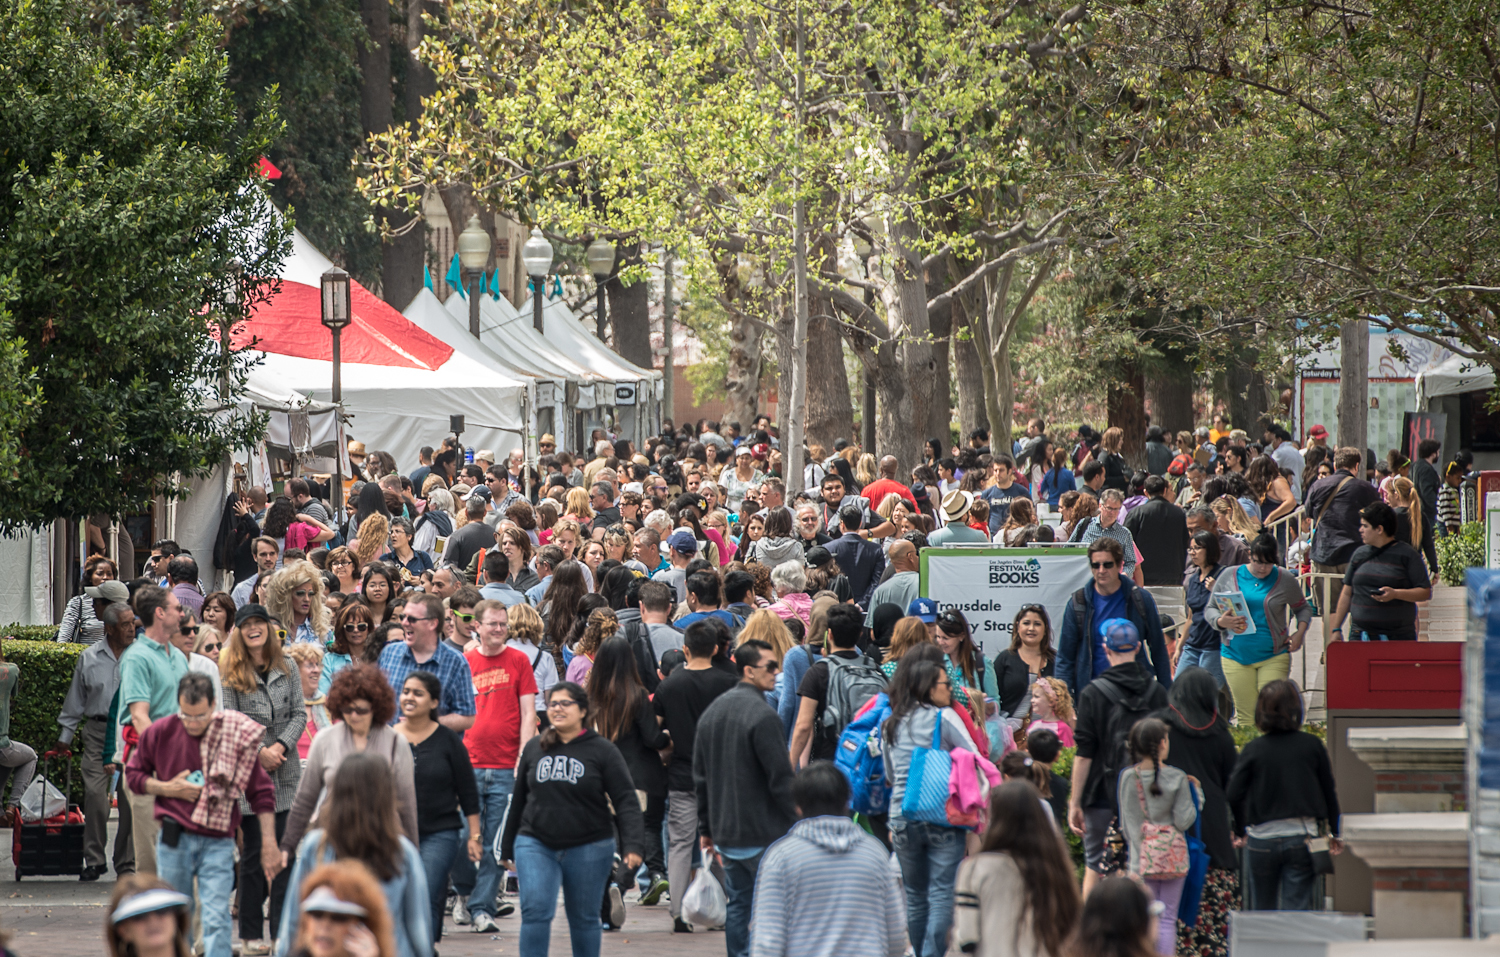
{"x":149,"y":671}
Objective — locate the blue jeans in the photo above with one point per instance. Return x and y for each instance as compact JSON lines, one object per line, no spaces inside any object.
{"x":1209,"y":659}
{"x":739,"y":889}
{"x":438,"y":852}
{"x":211,"y":860}
{"x":1281,"y":873}
{"x":929,"y":856}
{"x":581,"y":873}
{"x":495,"y":789}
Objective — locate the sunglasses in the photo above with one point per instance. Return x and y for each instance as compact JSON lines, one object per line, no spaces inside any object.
{"x":358,"y":709}
{"x":408,"y":619}
{"x":463,"y":617}
{"x":189,"y":629}
{"x":281,"y":634}
{"x":213,"y":647}
{"x":359,"y":627}
{"x":771,"y":666}
{"x":1101,"y":564}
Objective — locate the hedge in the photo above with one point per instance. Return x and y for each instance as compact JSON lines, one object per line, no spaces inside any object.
{"x":46,"y":672}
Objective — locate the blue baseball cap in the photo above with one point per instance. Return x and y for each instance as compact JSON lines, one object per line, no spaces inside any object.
{"x":923,"y":608}
{"x":683,"y":542}
{"x":1120,"y":635}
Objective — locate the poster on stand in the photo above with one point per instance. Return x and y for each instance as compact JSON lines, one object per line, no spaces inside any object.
{"x":989,"y":585}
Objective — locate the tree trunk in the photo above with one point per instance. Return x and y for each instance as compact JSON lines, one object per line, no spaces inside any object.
{"x":783,"y":338}
{"x":830,"y":412}
{"x":742,"y":381}
{"x":1354,"y":384}
{"x":629,"y":310}
{"x":1170,"y":394}
{"x":970,"y":375}
{"x":909,"y":323}
{"x":940,"y":412}
{"x":1127,"y":410}
{"x":1247,"y":393}
{"x":401,"y":257}
{"x":893,"y":432}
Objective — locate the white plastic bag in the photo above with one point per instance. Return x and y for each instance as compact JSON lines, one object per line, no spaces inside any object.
{"x":41,"y":800}
{"x":705,"y":904}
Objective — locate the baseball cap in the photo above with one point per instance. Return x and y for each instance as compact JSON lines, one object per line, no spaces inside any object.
{"x":840,"y":444}
{"x":109,"y":591}
{"x":1120,"y":635}
{"x":760,"y":450}
{"x":479,"y":492}
{"x":923,"y":608}
{"x":742,"y":450}
{"x":246,"y":612}
{"x":817,"y":557}
{"x":683,"y":542}
{"x":1317,"y":432}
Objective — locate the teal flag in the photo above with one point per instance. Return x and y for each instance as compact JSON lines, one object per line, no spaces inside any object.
{"x":427,"y":276}
{"x":454,"y":279}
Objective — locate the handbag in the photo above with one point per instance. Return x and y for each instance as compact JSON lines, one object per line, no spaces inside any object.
{"x":926,"y":797}
{"x":1192,"y":888}
{"x":1163,"y":854}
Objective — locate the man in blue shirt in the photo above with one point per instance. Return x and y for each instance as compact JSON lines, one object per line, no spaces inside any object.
{"x":703,"y":601}
{"x":1080,"y":651}
{"x":424,"y":651}
{"x":1005,"y":489}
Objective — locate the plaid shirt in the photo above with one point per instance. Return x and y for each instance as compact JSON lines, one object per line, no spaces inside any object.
{"x":451,"y":668}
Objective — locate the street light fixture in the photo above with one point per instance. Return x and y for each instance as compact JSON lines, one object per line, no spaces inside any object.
{"x":473,"y":256}
{"x":601,"y":260}
{"x":536,"y":254}
{"x":337,"y":314}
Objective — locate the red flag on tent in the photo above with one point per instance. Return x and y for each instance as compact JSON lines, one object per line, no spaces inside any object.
{"x":268,"y":169}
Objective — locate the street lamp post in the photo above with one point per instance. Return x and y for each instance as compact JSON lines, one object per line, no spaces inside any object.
{"x":473,"y":256}
{"x":536,"y":254}
{"x":601,"y":259}
{"x":336,"y":315}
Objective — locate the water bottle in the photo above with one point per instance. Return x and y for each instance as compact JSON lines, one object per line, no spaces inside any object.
{"x":469,"y":455}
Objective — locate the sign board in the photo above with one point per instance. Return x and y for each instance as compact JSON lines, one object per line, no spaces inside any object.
{"x":989,"y":585}
{"x":1492,"y":537}
{"x":1418,"y":427}
{"x":1389,"y":400}
{"x":624,"y":395}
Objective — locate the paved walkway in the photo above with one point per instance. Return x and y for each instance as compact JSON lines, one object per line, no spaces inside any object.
{"x":61,"y":917}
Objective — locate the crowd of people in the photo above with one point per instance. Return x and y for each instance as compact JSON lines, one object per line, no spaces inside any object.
{"x":482,"y":684}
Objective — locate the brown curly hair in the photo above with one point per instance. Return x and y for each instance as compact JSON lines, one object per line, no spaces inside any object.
{"x":367,"y":682}
{"x":373,"y":532}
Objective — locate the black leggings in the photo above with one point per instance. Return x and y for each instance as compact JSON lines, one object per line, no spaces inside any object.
{"x":253,"y":888}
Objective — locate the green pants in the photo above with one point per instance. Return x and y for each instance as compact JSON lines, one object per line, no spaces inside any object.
{"x":1245,"y":682}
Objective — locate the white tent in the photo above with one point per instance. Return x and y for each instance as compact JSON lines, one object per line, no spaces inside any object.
{"x":1452,"y":376}
{"x":400,"y":383}
{"x":637,"y":390}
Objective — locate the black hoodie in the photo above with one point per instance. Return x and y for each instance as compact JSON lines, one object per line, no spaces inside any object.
{"x":1103,"y":724}
{"x":1208,"y":754}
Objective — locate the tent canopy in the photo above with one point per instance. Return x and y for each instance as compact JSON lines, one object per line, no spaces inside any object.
{"x":1452,"y":376}
{"x":400,"y":383}
{"x":514,"y":339}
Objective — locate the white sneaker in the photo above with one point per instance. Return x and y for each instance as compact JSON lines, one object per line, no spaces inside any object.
{"x":484,"y":923}
{"x":461,"y":913}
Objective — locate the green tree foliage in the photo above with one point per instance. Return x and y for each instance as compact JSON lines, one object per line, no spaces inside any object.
{"x":126,"y":197}
{"x":1322,"y":160}
{"x":306,"y":53}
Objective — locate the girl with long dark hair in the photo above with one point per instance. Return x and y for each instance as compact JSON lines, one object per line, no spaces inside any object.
{"x":1167,"y":799}
{"x":920,"y":695}
{"x":378,"y":598}
{"x":560,"y":606}
{"x":359,"y":822}
{"x":1018,"y":895}
{"x":1118,"y":920}
{"x":571,"y":783}
{"x":972,"y":678}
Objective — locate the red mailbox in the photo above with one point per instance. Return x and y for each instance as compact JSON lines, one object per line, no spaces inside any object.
{"x":1395,"y":675}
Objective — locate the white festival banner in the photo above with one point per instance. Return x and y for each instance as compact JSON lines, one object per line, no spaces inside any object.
{"x":989,"y":585}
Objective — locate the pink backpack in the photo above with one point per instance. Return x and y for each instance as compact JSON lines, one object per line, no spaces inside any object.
{"x":1163,"y":854}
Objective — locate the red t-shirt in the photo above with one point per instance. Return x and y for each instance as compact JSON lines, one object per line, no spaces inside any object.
{"x":499,"y":681}
{"x":877,"y":490}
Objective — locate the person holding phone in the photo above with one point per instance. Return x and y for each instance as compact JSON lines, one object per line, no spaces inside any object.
{"x":1385,"y":580}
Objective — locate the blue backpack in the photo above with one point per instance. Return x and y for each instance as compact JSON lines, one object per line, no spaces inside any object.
{"x":861,"y":756}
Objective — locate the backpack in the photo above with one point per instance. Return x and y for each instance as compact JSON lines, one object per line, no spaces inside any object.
{"x":1179,"y":465}
{"x":851,"y":682}
{"x":861,"y":756}
{"x":639,"y":639}
{"x":1114,"y":753}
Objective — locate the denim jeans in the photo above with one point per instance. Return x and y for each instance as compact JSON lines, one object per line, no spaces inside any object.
{"x":929,"y":856}
{"x":438,"y":851}
{"x":1281,"y":873}
{"x":495,"y":789}
{"x":739,"y":889}
{"x":211,"y":860}
{"x":580,"y":872}
{"x":1209,"y":659}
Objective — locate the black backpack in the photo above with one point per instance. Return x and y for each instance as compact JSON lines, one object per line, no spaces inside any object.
{"x":1114,"y":753}
{"x":638,"y":636}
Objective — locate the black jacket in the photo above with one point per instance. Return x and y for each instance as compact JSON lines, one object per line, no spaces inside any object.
{"x":640,"y":743}
{"x":1140,"y":693}
{"x":1283,"y":774}
{"x":741,"y":771}
{"x":1013,"y":680}
{"x":1424,"y":476}
{"x":1209,"y":755}
{"x":1160,"y":532}
{"x":1338,"y":531}
{"x":560,"y":796}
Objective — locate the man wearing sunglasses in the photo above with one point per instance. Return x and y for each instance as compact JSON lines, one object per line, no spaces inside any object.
{"x":1080,"y":653}
{"x":424,"y":650}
